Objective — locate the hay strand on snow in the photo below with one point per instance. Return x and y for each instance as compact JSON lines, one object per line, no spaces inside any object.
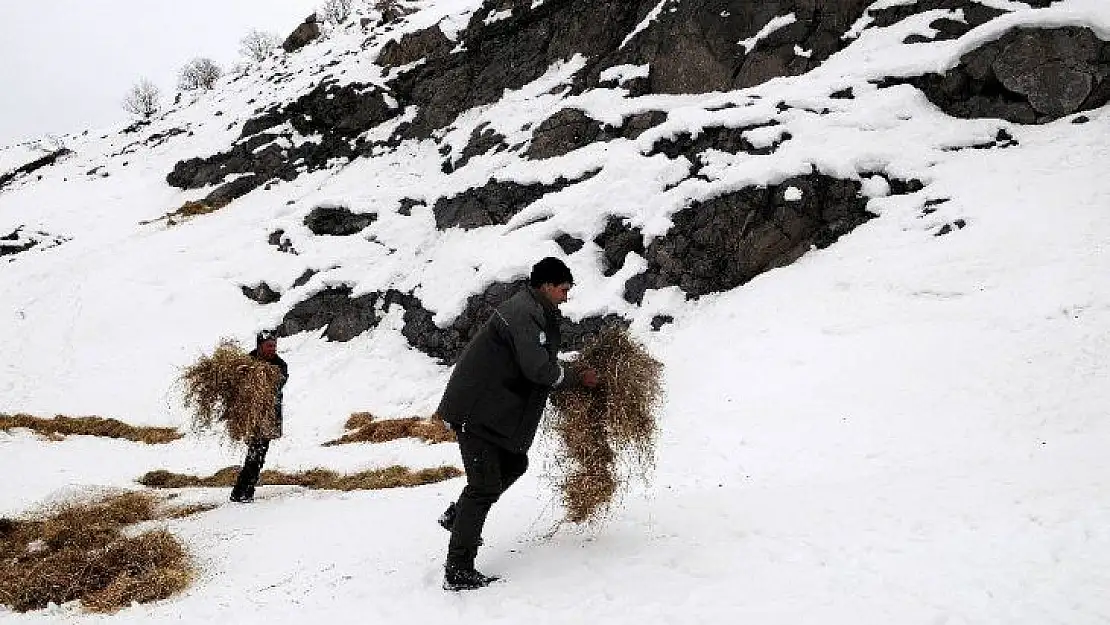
{"x":232,"y":388}
{"x":602,"y":430}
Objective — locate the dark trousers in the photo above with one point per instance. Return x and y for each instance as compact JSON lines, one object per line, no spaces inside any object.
{"x":252,"y":468}
{"x":490,"y":471}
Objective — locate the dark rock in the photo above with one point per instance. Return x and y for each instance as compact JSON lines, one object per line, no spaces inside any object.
{"x":278,"y":239}
{"x":635,"y":125}
{"x":34,"y":166}
{"x":304,"y":277}
{"x":617,"y":240}
{"x":482,"y":141}
{"x":225,"y":194}
{"x":721,"y":138}
{"x":494,"y":203}
{"x":343,"y":317}
{"x":975,"y":14}
{"x":430,"y":42}
{"x":445,"y":344}
{"x":576,"y":333}
{"x":721,"y":243}
{"x":564,"y":132}
{"x":303,"y":35}
{"x":1082,"y":119}
{"x":658,"y":321}
{"x":958,"y":224}
{"x":337,"y":221}
{"x":337,"y":114}
{"x":691,"y":48}
{"x":846,"y":93}
{"x":407,"y":204}
{"x":569,"y":244}
{"x":1027,"y":76}
{"x":261,"y":293}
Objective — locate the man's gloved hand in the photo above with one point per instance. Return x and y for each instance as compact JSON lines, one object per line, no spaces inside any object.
{"x":589,"y":377}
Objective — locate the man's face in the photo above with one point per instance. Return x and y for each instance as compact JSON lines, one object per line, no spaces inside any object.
{"x":557,"y":293}
{"x":268,"y":348}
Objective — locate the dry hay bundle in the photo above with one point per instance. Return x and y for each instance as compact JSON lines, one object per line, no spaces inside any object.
{"x":82,"y":551}
{"x":602,"y":429}
{"x":232,"y":387}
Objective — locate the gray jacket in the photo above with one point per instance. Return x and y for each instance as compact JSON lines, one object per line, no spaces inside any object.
{"x":500,"y":385}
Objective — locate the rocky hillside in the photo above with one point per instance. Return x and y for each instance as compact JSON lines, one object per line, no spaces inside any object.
{"x":412,"y":165}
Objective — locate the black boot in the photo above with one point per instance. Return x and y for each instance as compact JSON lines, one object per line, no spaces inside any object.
{"x":457,"y":578}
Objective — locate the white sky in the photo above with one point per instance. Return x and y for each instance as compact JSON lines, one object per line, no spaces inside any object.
{"x":65,"y":65}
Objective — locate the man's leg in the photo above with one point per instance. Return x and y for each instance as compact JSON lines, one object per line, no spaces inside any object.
{"x":512,"y":467}
{"x":252,"y":468}
{"x":482,"y":461}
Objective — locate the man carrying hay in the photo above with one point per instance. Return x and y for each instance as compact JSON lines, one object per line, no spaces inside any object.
{"x":494,"y":401}
{"x":258,"y":442}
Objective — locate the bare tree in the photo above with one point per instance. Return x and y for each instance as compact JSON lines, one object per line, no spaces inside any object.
{"x":257,"y":45}
{"x":143,"y":99}
{"x":200,"y":73}
{"x":336,"y":12}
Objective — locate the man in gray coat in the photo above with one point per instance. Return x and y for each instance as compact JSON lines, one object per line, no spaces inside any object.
{"x":494,"y":401}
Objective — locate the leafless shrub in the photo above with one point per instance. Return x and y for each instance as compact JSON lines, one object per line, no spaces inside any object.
{"x":143,"y":100}
{"x":257,"y":45}
{"x":200,"y":73}
{"x":336,"y":12}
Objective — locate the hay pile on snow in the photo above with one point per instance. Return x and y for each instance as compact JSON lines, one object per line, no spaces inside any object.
{"x":232,"y":388}
{"x":606,"y":435}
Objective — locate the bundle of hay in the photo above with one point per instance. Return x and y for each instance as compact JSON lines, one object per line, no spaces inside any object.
{"x":235,"y":389}
{"x":603,"y":430}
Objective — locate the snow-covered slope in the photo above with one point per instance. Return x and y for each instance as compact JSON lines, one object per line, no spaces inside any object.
{"x":904,"y":426}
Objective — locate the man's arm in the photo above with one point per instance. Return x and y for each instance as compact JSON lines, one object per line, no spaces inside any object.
{"x":528,"y":340}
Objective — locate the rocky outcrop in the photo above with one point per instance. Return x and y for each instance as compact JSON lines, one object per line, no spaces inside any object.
{"x":616,"y":241}
{"x":261,"y":293}
{"x":571,"y":129}
{"x":303,"y":35}
{"x":33,"y":166}
{"x":430,"y":42}
{"x":493,"y":203}
{"x":337,"y":221}
{"x":336,"y":114}
{"x":483,"y":140}
{"x":721,"y":243}
{"x":723,"y":138}
{"x":691,"y":48}
{"x":18,"y":241}
{"x":341,"y":316}
{"x":1027,"y":76}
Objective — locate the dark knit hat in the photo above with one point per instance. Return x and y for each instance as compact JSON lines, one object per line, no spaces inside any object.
{"x":265,"y":335}
{"x":550,"y":270}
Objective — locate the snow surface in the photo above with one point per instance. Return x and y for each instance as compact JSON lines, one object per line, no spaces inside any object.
{"x":776,"y":23}
{"x":900,"y":428}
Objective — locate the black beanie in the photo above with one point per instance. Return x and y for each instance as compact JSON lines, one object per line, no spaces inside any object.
{"x":550,"y":270}
{"x":265,"y":335}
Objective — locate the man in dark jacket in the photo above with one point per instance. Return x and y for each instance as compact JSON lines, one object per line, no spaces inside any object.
{"x":266,"y":351}
{"x":494,"y":401}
